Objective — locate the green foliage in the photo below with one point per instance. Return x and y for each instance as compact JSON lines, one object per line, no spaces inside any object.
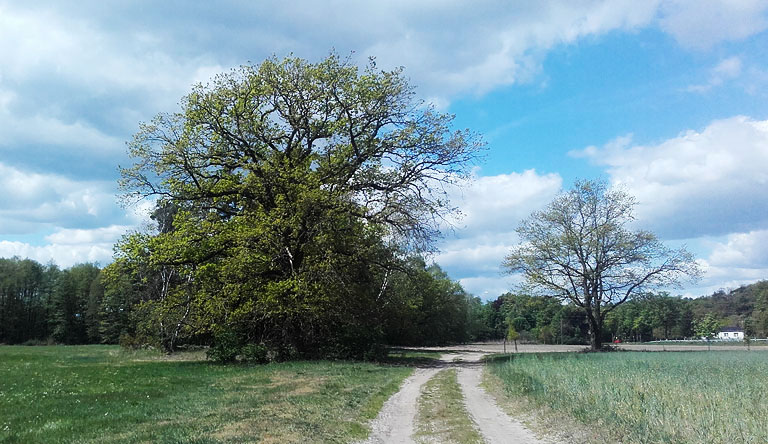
{"x":226,"y":347}
{"x":255,"y":353}
{"x":512,"y":334}
{"x":26,"y":294}
{"x":287,"y":196}
{"x":426,"y":307}
{"x":75,"y":302}
{"x":707,"y":326}
{"x":38,"y":303}
{"x":648,"y":397}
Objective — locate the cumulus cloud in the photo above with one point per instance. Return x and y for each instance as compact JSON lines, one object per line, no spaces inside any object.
{"x":63,"y":255}
{"x":493,"y":206}
{"x":453,"y":48}
{"x":706,"y":183}
{"x":701,"y":24}
{"x":72,"y":90}
{"x":728,"y":69}
{"x":498,"y":203}
{"x":488,"y":287}
{"x":76,"y":79}
{"x":731,"y":261}
{"x":449,"y":48}
{"x":742,"y":250}
{"x":81,"y":217}
{"x":30,"y":201}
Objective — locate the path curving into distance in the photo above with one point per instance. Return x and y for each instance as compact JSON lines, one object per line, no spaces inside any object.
{"x":395,"y":422}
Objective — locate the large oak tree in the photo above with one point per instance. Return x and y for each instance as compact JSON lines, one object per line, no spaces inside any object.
{"x":581,"y":248}
{"x":286,"y":194}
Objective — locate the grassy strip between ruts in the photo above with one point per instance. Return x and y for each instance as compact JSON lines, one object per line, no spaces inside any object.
{"x":102,"y":394}
{"x":442,"y":416}
{"x":634,"y":397}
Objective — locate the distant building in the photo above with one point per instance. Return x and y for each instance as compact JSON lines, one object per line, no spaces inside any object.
{"x":731,"y":334}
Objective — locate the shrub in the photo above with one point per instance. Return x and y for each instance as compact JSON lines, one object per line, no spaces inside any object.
{"x":256,"y":353}
{"x":225,"y":348}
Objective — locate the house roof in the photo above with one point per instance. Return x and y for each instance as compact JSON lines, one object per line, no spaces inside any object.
{"x":730,"y":329}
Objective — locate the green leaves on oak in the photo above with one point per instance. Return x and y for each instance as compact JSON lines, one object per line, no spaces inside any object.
{"x":286,"y":194}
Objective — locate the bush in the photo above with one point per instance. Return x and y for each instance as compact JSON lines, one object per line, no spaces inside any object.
{"x":256,"y":353}
{"x":225,"y":348}
{"x":135,"y":342}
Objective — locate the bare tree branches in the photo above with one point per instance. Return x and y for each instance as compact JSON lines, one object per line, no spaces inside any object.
{"x":581,"y":249}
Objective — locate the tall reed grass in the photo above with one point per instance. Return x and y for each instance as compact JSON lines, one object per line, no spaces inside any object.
{"x":673,"y":397}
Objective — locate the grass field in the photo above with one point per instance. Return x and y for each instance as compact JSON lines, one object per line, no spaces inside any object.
{"x":673,"y":397}
{"x":102,"y":394}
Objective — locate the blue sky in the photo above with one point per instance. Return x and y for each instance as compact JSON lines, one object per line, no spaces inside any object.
{"x":666,"y":98}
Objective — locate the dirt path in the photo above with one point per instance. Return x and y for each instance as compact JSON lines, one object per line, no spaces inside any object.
{"x":495,"y":425}
{"x":395,"y":422}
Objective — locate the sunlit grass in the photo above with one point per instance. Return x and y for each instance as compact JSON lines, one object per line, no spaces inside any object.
{"x":442,"y":416}
{"x":100,"y":394}
{"x":694,"y":397}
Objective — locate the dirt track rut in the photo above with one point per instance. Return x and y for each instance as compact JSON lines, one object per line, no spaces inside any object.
{"x":395,"y":422}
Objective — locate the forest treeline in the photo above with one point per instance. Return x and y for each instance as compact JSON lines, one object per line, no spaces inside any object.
{"x":84,"y":304}
{"x":649,"y":317}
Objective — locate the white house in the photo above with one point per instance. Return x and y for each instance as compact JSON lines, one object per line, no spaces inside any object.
{"x":731,"y":334}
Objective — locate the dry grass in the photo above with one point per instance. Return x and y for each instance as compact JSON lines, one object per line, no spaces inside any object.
{"x":442,"y":416}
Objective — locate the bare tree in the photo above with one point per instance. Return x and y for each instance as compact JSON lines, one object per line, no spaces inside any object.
{"x":580,"y":248}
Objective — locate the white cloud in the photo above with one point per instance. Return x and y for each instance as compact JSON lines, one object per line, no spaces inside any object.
{"x":79,"y":50}
{"x":498,"y":203}
{"x":742,"y":250}
{"x":63,"y":255}
{"x":33,"y":203}
{"x":488,"y":287}
{"x":728,"y":69}
{"x":104,"y":235}
{"x":736,"y":260}
{"x":700,"y":183}
{"x":493,"y":206}
{"x":474,"y":48}
{"x":28,"y":200}
{"x":449,"y":48}
{"x":701,"y":24}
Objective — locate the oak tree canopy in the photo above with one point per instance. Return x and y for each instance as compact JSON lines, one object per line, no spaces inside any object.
{"x":287,"y":194}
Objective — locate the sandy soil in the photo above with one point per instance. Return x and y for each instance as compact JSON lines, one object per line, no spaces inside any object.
{"x":395,"y":422}
{"x":495,"y":425}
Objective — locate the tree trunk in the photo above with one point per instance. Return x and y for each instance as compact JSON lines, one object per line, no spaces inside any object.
{"x":595,"y":333}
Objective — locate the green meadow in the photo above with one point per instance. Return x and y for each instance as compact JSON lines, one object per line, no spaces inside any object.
{"x":104,"y":394}
{"x":636,"y":397}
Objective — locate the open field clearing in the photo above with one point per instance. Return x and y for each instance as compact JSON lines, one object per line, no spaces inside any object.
{"x":102,"y":394}
{"x":716,"y":397}
{"x":498,"y":347}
